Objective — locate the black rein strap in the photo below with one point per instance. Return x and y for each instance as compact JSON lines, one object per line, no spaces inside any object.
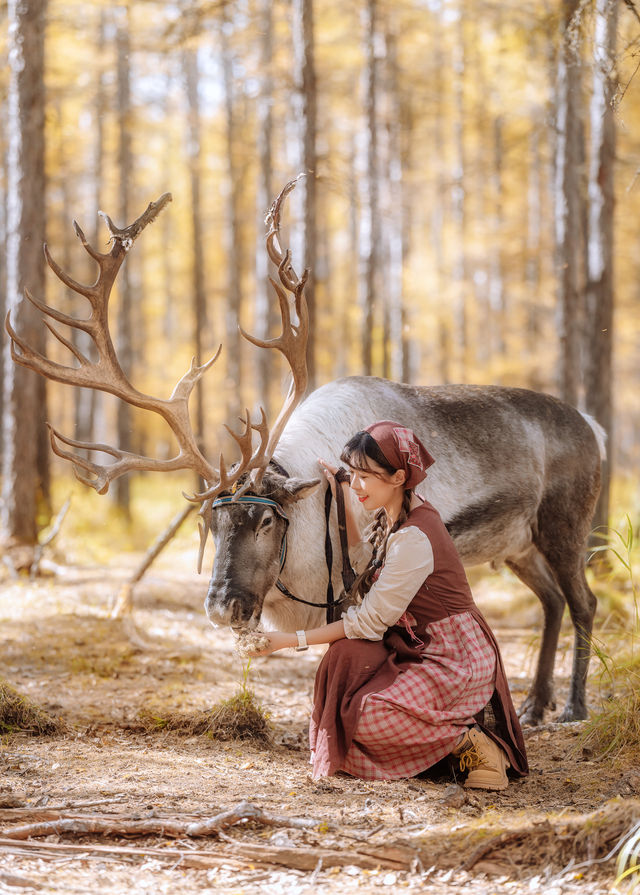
{"x":348,"y":575}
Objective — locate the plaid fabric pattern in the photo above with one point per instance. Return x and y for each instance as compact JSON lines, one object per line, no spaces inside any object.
{"x":416,"y":721}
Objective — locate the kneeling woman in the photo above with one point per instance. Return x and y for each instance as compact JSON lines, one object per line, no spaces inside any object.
{"x":411,"y":667}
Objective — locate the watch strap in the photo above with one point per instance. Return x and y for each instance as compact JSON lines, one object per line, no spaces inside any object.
{"x":302,"y":641}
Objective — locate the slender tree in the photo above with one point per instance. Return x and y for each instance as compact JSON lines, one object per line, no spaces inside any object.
{"x":306,"y":108}
{"x":600,"y":298}
{"x":264,"y":308}
{"x":568,"y":201}
{"x":25,"y":462}
{"x":233,"y":340}
{"x":121,"y":490}
{"x":459,"y":198}
{"x":370,"y":211}
{"x":194,"y":155}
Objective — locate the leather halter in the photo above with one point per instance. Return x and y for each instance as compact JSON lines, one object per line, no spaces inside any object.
{"x":347,"y":572}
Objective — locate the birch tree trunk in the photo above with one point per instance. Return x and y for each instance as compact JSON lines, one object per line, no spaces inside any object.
{"x":459,"y":272}
{"x":264,"y":308}
{"x":121,"y":491}
{"x":3,"y":266}
{"x":25,"y":477}
{"x":600,"y":301}
{"x":370,"y":213}
{"x":194,"y":155}
{"x":568,"y":203}
{"x":396,"y":129}
{"x":233,"y":340}
{"x":306,"y":102}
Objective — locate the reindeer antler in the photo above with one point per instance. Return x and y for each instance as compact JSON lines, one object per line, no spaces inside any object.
{"x":107,"y":375}
{"x":292,"y":343}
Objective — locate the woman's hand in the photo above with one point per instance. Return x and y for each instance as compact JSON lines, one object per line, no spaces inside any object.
{"x":275,"y":640}
{"x":330,"y":472}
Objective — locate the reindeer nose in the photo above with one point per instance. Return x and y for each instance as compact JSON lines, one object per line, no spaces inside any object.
{"x":229,"y":610}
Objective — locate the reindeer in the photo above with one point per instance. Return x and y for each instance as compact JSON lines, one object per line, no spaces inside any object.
{"x":516,"y":476}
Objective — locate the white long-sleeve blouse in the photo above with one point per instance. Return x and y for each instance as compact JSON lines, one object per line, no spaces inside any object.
{"x":409,"y":561}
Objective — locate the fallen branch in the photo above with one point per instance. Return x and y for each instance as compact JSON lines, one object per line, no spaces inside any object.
{"x":122,"y":826}
{"x":123,"y":604}
{"x":236,"y":854}
{"x":191,"y":858}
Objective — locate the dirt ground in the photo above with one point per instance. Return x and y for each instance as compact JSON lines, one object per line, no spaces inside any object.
{"x":59,"y":646}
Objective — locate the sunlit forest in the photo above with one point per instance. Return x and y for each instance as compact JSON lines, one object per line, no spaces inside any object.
{"x":431,"y":215}
{"x":465,"y":204}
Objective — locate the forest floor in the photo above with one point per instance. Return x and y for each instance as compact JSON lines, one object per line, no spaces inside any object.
{"x":116,"y":763}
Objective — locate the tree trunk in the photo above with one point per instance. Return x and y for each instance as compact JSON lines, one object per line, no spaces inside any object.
{"x":3,"y":255}
{"x":568,"y":204}
{"x":25,"y":464}
{"x":125,"y":161}
{"x":264,"y":306}
{"x":533,"y":246}
{"x":190,"y":67}
{"x":233,"y":341}
{"x":395,"y":129}
{"x":306,"y":94}
{"x":370,"y":213}
{"x":600,"y":245}
{"x":496,"y":279}
{"x":459,"y":273}
{"x":89,"y":404}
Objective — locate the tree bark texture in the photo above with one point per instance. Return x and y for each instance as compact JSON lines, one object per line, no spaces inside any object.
{"x":125,"y":161}
{"x":370,"y":211}
{"x":25,"y":464}
{"x":600,"y":297}
{"x":306,"y":91}
{"x":459,"y":198}
{"x":233,"y":341}
{"x":264,"y":307}
{"x":568,"y":202}
{"x":89,"y":404}
{"x":194,"y":154}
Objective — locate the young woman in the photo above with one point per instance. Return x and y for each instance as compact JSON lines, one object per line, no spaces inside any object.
{"x":413,"y":664}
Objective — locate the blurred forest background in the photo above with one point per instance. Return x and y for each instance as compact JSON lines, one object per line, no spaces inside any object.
{"x":470,"y":210}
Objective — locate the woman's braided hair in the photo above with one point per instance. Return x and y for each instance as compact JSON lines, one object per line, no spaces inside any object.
{"x":357,"y":453}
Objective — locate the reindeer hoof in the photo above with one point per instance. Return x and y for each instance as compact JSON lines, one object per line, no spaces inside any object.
{"x":573,"y":713}
{"x":530,"y":717}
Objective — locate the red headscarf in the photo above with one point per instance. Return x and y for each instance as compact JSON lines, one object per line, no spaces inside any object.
{"x":403,"y":450}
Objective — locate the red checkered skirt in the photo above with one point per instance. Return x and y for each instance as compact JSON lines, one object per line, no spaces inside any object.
{"x":416,"y":721}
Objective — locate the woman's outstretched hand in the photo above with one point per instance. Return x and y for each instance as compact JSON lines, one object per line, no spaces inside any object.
{"x":275,"y":640}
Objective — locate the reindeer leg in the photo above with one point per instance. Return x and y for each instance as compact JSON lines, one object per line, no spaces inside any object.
{"x":582,"y":607}
{"x":533,"y":569}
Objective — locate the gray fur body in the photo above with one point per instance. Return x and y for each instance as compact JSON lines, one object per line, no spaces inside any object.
{"x":516,"y":479}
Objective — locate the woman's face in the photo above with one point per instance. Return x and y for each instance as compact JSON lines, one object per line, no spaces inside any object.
{"x":374,"y":487}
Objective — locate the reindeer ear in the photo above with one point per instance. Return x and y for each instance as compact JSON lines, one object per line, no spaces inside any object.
{"x":297,"y":489}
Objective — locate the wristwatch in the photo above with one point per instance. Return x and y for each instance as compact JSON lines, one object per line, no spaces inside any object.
{"x":302,"y":642}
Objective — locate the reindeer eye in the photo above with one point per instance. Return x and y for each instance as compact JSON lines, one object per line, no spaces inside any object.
{"x":265,"y":522}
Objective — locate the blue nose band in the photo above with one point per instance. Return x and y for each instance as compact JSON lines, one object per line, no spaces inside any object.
{"x":260,"y":501}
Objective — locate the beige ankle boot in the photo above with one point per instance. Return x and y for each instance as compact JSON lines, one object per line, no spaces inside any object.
{"x":486,"y":762}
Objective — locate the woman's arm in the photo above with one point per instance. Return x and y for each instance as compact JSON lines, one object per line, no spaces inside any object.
{"x":283,"y":639}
